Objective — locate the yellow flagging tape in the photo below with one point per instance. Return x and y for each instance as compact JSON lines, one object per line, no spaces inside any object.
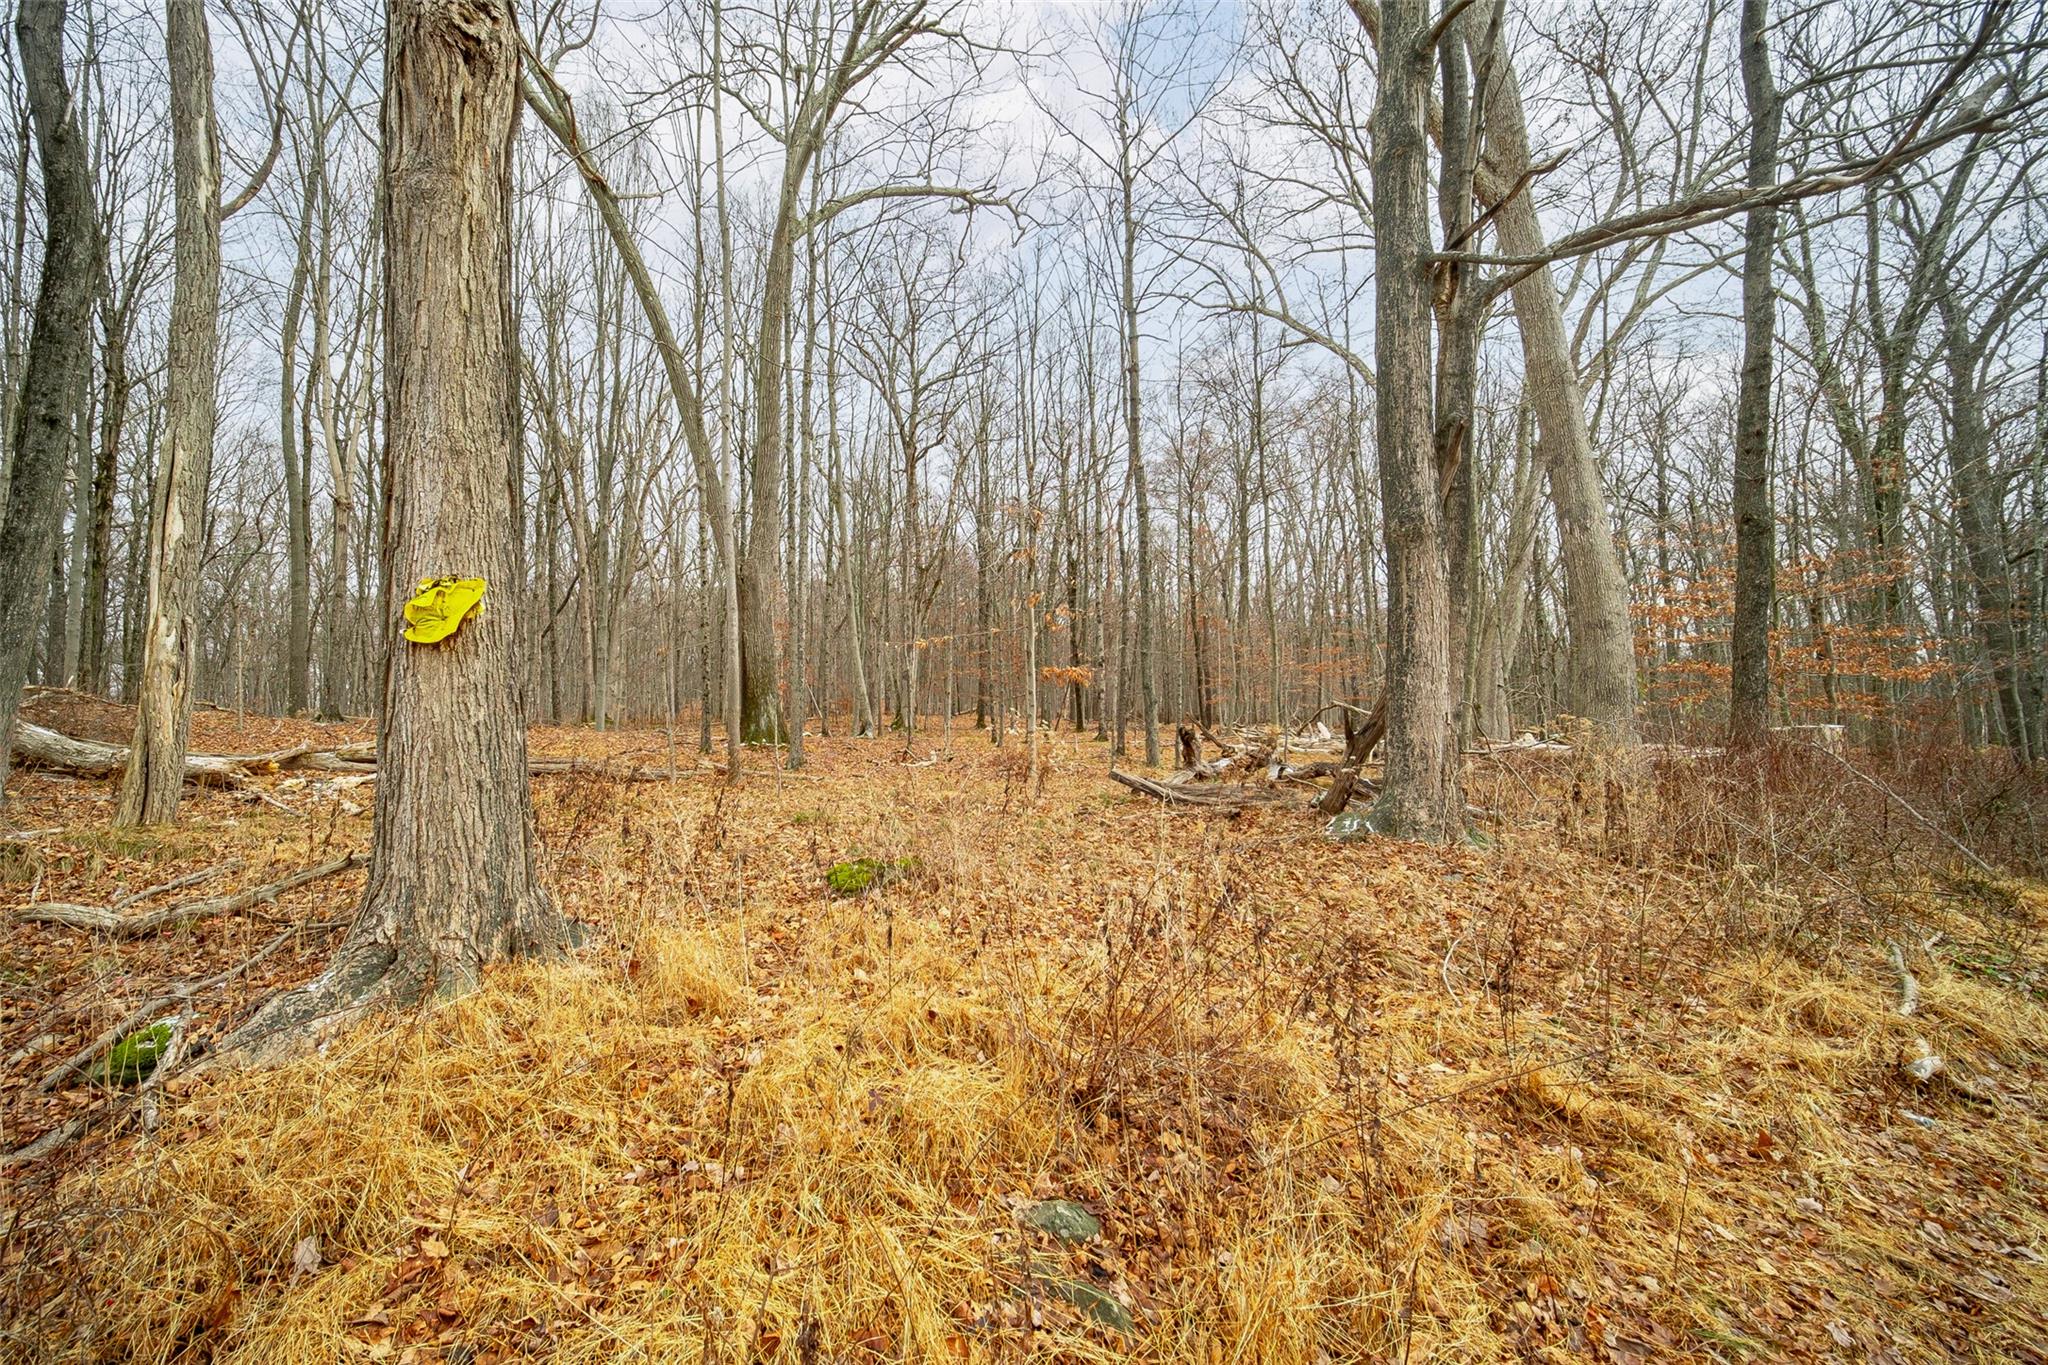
{"x":440,"y":607}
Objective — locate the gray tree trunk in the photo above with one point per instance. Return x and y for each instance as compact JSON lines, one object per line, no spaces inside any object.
{"x":177,"y":524}
{"x":1602,"y":663}
{"x":1148,"y":683}
{"x":1749,"y":681}
{"x":58,"y":352}
{"x":1421,"y":797}
{"x":297,"y":497}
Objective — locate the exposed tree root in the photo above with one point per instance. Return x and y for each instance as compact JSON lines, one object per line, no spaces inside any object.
{"x":390,"y":962}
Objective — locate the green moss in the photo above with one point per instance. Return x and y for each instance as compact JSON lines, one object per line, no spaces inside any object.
{"x":134,"y":1057}
{"x":857,"y":876}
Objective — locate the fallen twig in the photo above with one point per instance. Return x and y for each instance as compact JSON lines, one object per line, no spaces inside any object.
{"x":1906,"y":806}
{"x":204,"y":874}
{"x":1909,"y":985}
{"x":109,"y":920}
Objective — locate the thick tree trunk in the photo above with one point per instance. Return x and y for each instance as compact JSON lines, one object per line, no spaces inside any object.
{"x":1749,"y":682}
{"x":1421,"y":795}
{"x":760,"y":567}
{"x":177,"y":524}
{"x":58,"y":352}
{"x":452,"y":883}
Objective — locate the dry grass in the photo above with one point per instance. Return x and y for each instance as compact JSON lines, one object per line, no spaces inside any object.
{"x":1625,"y":1090}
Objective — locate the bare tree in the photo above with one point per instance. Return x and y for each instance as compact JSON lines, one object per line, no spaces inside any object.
{"x":156,"y":762}
{"x":1749,"y":686}
{"x":59,"y":356}
{"x":452,"y":883}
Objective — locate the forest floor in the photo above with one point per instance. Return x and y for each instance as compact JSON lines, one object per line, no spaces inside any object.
{"x":1627,"y":1082}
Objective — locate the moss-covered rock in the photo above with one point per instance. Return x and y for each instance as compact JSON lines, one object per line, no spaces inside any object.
{"x":1098,"y":1304}
{"x":129,"y":1061}
{"x":1064,"y":1219}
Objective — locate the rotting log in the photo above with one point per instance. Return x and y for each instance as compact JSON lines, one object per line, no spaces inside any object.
{"x":1217,"y":797}
{"x":39,"y":746}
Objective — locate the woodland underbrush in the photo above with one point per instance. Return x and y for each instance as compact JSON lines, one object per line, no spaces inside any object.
{"x":1641,"y":1075}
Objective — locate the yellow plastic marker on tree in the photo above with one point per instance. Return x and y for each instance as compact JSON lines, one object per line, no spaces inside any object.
{"x":440,"y":607}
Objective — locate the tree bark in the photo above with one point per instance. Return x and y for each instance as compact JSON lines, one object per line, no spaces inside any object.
{"x":1602,"y":664}
{"x":760,"y":566}
{"x":116,"y":318}
{"x":297,"y":497}
{"x":58,"y":351}
{"x":1981,"y":528}
{"x":1148,"y":684}
{"x":177,"y":524}
{"x":1749,"y":681}
{"x":452,"y":884}
{"x":1421,"y":797}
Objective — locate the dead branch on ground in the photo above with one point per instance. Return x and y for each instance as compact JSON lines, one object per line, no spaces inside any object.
{"x":109,"y":919}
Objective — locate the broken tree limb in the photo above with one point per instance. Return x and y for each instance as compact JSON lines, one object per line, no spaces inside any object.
{"x":1909,"y":984}
{"x":1903,"y":804}
{"x":109,"y":920}
{"x":190,"y":879}
{"x":1359,"y":742}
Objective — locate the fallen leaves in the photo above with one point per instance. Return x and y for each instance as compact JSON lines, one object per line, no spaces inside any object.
{"x":1232,"y":1044}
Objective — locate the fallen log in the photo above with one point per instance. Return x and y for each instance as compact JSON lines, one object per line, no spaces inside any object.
{"x":1224,"y":797}
{"x":109,"y":919}
{"x":41,"y":747}
{"x":610,"y":772}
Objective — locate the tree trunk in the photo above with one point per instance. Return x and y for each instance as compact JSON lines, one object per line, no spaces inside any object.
{"x":1749,"y":680}
{"x":760,"y":576}
{"x":115,"y":382}
{"x":452,"y":883}
{"x":1421,"y":796}
{"x":1603,"y":672}
{"x":58,"y":352}
{"x":297,"y":497}
{"x":1148,"y":682}
{"x":177,"y":524}
{"x":1980,"y":528}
